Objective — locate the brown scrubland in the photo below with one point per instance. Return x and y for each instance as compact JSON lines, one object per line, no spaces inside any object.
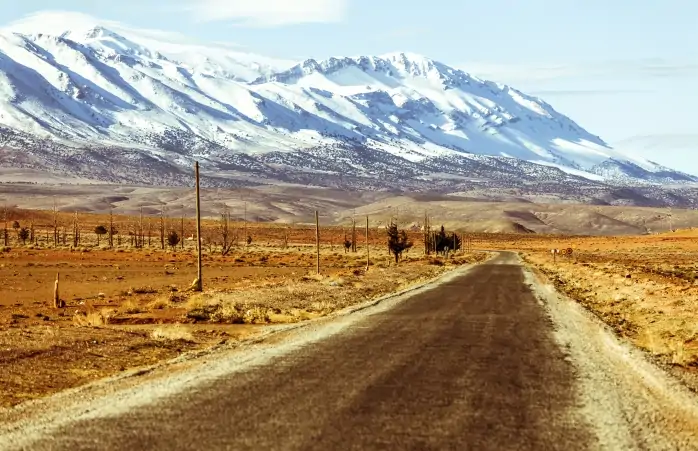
{"x":128,"y":303}
{"x":125,"y":301}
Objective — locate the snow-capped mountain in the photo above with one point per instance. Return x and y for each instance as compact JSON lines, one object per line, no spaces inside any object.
{"x":102,"y":101}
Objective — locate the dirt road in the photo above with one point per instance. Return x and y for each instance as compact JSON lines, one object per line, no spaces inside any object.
{"x":478,"y":362}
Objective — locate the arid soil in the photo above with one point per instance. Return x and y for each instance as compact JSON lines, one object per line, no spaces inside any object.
{"x":485,"y":358}
{"x":128,"y":307}
{"x":646,"y":288}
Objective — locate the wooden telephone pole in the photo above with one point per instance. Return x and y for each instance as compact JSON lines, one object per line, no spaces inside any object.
{"x":368,"y":247}
{"x":198,"y":283}
{"x":317,"y":239}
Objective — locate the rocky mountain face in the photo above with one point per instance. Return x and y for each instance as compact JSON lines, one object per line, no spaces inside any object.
{"x":99,"y":101}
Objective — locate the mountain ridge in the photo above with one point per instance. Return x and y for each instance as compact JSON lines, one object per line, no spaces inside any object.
{"x":101,"y":91}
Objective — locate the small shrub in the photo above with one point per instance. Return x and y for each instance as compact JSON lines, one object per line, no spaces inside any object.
{"x":130,"y":307}
{"x":173,"y":239}
{"x":172,"y":333}
{"x":91,"y":319}
{"x":160,"y":303}
{"x":256,"y":315}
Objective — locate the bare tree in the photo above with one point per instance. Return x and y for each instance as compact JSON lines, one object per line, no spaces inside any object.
{"x":6,"y":233}
{"x":32,"y":237}
{"x":76,"y":231}
{"x":131,"y":232}
{"x":224,"y":229}
{"x":111,"y":228}
{"x":56,"y":236}
{"x":16,"y":226}
{"x":284,"y":243}
{"x":162,"y":228}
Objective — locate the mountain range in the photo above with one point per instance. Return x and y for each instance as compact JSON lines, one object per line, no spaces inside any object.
{"x":99,"y":101}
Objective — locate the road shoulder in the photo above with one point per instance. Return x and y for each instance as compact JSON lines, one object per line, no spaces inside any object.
{"x":629,"y":401}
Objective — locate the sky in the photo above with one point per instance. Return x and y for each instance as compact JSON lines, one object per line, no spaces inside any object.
{"x":624,"y":70}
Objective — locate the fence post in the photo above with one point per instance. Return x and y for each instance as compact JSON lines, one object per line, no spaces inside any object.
{"x":56,"y":295}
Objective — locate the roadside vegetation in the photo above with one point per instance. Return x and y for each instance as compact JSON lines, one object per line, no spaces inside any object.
{"x":645,"y":288}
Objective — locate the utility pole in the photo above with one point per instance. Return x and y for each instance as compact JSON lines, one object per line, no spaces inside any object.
{"x":6,"y":236}
{"x":55,"y":223}
{"x":139,"y":244}
{"x":353,"y":234}
{"x":111,"y":228}
{"x":181,"y":229}
{"x":198,"y":283}
{"x":317,"y":239}
{"x":368,"y":247}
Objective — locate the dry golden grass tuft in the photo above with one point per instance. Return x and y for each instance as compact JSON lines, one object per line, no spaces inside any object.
{"x":166,"y":300}
{"x":92,"y":319}
{"x":309,"y":295}
{"x":130,"y":307}
{"x":175,"y":332}
{"x":645,"y":288}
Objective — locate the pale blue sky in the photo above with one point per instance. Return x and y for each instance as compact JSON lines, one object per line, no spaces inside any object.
{"x":623,"y":69}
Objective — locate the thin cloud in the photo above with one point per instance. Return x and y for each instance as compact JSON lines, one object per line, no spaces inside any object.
{"x":268,"y":13}
{"x":515,"y":73}
{"x":586,"y":92}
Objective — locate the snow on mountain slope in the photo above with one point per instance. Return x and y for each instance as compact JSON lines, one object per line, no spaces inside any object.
{"x":90,"y":84}
{"x":215,"y":59}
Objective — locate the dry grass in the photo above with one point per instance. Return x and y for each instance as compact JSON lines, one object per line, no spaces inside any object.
{"x":123,"y":305}
{"x":296,"y":299}
{"x":142,"y":290}
{"x":645,"y":288}
{"x":175,"y":332}
{"x":92,"y":319}
{"x":162,"y":302}
{"x":131,"y":307}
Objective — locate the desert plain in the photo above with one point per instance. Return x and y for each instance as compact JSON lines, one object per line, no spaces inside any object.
{"x":128,"y":303}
